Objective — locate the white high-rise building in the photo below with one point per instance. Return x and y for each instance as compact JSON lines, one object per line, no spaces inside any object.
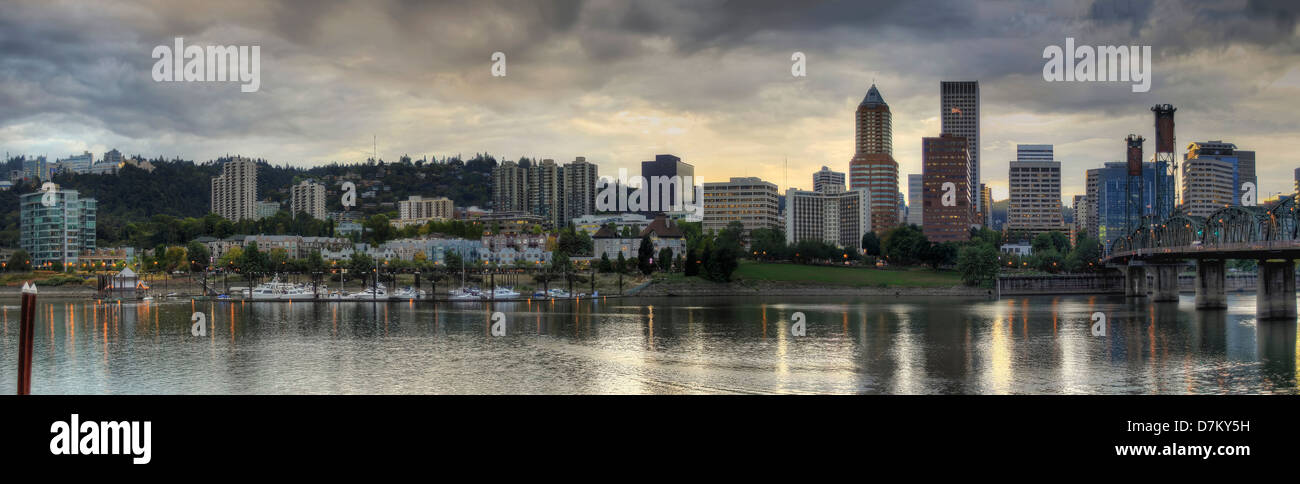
{"x":308,"y":197}
{"x":827,"y":181}
{"x":234,"y":192}
{"x":839,"y":218}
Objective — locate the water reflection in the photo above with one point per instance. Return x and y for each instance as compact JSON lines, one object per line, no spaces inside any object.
{"x":678,"y":345}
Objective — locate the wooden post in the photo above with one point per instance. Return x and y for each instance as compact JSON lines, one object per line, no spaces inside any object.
{"x":27,"y":326}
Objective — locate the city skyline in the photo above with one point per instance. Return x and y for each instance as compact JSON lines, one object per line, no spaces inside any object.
{"x":613,"y":82}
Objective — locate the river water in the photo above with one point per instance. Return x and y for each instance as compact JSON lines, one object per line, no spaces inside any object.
{"x":1036,"y":345}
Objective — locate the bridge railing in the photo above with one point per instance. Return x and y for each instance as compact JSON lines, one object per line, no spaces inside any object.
{"x":1202,"y":248}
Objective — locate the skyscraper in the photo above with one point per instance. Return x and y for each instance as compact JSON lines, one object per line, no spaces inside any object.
{"x":57,"y":232}
{"x":670,"y":168}
{"x":509,"y":187}
{"x":578,"y":188}
{"x":986,"y":217}
{"x":873,"y":166}
{"x":234,"y":192}
{"x":1080,"y":226}
{"x":544,"y":180}
{"x":1211,"y":177}
{"x":827,"y":181}
{"x":959,"y":114}
{"x":949,"y":203}
{"x":1112,"y":197}
{"x":1035,"y":189}
{"x":308,"y":197}
{"x":839,"y":218}
{"x":915,"y":208}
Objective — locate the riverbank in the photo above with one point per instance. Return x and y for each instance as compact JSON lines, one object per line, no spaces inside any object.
{"x":754,"y":279}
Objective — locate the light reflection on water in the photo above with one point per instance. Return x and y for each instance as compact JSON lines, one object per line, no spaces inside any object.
{"x":663,"y":345}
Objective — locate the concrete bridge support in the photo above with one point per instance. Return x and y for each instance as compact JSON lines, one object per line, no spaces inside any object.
{"x":1166,"y":283}
{"x":1275,"y":296}
{"x":1209,"y":285}
{"x":1135,"y":281}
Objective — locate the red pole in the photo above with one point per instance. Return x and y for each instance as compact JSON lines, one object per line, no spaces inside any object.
{"x":27,"y":323}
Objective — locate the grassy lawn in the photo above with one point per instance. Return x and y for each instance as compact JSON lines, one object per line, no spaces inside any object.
{"x":849,"y":276}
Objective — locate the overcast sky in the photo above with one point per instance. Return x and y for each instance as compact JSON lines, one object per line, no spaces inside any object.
{"x":618,"y":82}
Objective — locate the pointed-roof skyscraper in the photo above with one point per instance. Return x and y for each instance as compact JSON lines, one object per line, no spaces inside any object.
{"x":873,"y":166}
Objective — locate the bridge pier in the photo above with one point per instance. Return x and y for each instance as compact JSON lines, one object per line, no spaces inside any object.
{"x":1275,"y":291}
{"x":1166,"y":283}
{"x":1135,"y":281}
{"x":1209,"y":285}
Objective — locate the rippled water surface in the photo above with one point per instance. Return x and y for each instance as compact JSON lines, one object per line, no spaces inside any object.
{"x":669,"y":345}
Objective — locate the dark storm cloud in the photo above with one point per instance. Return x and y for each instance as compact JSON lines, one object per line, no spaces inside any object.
{"x":340,"y":69}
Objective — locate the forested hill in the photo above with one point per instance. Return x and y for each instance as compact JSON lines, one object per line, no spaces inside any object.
{"x":182,"y":188}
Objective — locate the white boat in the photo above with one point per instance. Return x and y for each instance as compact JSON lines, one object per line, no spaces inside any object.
{"x":407,"y":293}
{"x":280,"y":291}
{"x":376,"y":292}
{"x":464,"y":294}
{"x":501,"y":293}
{"x":559,"y":293}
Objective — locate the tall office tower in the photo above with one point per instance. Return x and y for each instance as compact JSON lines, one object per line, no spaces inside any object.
{"x":419,"y":209}
{"x":1079,"y":228}
{"x":839,"y":218}
{"x":947,"y":195}
{"x":234,"y":192}
{"x":509,"y":187}
{"x":578,"y":182}
{"x":544,"y":192}
{"x":873,"y":166}
{"x":986,"y":194}
{"x":1211,"y":179}
{"x":959,"y":115}
{"x":308,"y":197}
{"x":1113,"y":193}
{"x":750,"y":201}
{"x":1246,"y":172}
{"x":902,"y":207}
{"x":914,"y":206}
{"x":58,"y":232}
{"x":827,"y":181}
{"x":1035,"y":188}
{"x":1090,"y":195}
{"x":659,"y":174}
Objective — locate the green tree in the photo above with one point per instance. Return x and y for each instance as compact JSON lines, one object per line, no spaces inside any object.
{"x":904,"y":245}
{"x":977,"y":263}
{"x":19,"y":261}
{"x":690,"y":267}
{"x":871,"y":244}
{"x":605,"y":265}
{"x":197,"y":254}
{"x":1053,"y":240}
{"x":938,"y":255}
{"x":665,"y":260}
{"x":645,"y":255}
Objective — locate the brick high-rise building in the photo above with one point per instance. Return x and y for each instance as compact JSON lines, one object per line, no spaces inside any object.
{"x":873,"y":166}
{"x":948,"y":201}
